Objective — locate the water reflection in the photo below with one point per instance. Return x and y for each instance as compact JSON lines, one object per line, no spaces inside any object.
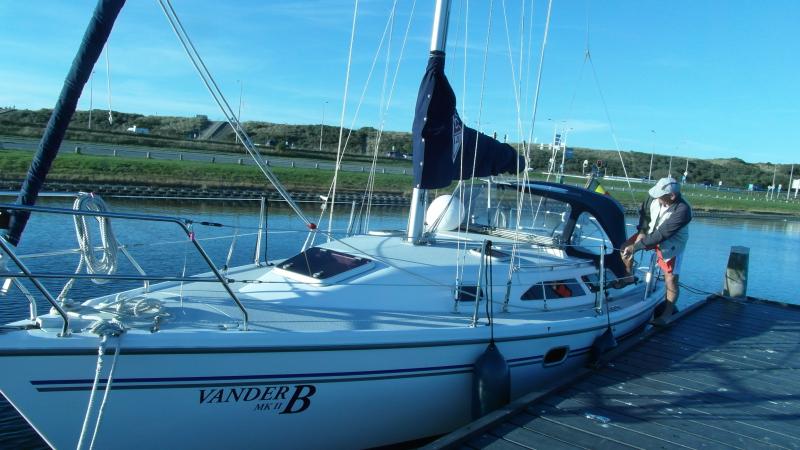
{"x":774,"y":244}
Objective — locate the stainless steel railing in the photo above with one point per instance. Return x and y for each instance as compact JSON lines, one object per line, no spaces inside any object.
{"x":183,"y":224}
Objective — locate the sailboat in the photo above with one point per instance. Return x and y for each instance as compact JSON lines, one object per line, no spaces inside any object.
{"x":494,"y":290}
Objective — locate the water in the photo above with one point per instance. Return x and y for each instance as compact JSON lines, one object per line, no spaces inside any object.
{"x":774,"y":257}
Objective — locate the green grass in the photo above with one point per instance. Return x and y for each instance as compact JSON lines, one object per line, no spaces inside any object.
{"x":710,"y":199}
{"x":70,"y":167}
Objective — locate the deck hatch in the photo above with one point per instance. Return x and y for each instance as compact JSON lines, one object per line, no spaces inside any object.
{"x":322,"y":263}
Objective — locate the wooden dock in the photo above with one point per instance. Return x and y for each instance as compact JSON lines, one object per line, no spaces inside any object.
{"x":724,"y":374}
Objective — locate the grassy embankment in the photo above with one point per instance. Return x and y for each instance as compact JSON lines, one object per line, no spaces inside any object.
{"x":711,"y":199}
{"x":70,"y":167}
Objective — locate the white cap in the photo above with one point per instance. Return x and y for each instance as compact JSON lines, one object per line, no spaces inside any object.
{"x":665,"y":186}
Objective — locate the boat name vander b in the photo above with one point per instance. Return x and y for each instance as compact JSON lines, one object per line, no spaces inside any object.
{"x":281,"y":398}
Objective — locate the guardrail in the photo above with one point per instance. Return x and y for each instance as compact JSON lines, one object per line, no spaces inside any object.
{"x":184,"y":224}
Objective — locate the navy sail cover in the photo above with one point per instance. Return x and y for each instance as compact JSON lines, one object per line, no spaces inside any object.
{"x":94,"y":39}
{"x":444,"y":148}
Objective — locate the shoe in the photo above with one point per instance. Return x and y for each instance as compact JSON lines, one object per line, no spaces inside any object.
{"x":660,"y":321}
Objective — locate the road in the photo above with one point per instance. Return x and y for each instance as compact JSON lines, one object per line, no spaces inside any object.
{"x":175,"y":154}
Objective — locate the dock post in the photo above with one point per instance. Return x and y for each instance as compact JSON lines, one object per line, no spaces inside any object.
{"x":735,"y":284}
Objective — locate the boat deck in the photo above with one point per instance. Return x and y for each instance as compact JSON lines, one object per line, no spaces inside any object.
{"x":723,"y":375}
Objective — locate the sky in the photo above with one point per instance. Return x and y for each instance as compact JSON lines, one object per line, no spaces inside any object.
{"x":688,"y":78}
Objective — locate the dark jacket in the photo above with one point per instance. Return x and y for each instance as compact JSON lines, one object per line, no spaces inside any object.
{"x":665,"y":229}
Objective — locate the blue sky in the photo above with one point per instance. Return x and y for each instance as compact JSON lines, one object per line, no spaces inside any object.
{"x":696,"y":78}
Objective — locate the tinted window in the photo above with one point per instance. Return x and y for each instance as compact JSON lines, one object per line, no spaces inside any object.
{"x":322,"y":263}
{"x":552,"y":290}
{"x":536,"y":292}
{"x":563,"y":289}
{"x":467,"y":293}
{"x":592,"y":282}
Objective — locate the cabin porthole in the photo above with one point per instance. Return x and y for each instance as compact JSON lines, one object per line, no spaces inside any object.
{"x":556,"y":356}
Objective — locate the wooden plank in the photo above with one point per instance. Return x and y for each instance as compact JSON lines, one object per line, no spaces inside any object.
{"x":574,"y":436}
{"x":736,"y":384}
{"x":726,"y":333}
{"x":743,"y":315}
{"x":781,"y":403}
{"x":661,"y":359}
{"x":783,"y":357}
{"x":492,"y":442}
{"x":754,"y":422}
{"x":722,"y":335}
{"x":562,"y":411}
{"x":715,"y":370}
{"x":743,"y":323}
{"x":530,"y":439}
{"x":651,"y":418}
{"x":718,"y":360}
{"x":670,"y":415}
{"x":766,"y":373}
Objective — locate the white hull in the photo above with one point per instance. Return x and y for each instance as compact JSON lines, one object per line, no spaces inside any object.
{"x":339,"y":396}
{"x":355,"y":343}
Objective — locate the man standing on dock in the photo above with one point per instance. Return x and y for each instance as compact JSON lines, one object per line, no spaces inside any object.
{"x":663,"y":220}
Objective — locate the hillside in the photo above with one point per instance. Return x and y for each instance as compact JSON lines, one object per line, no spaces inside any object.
{"x":304,"y":141}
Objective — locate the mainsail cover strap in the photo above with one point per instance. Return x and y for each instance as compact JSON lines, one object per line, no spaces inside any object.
{"x":440,"y":137}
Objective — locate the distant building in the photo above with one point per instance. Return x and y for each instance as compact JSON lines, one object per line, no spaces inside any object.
{"x":138,"y":130}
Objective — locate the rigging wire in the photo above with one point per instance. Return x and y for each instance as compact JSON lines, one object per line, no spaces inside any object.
{"x":536,"y":100}
{"x":588,"y":57}
{"x":340,"y":154}
{"x":481,"y":97}
{"x":460,"y":252}
{"x":225,"y":108}
{"x":611,"y":127}
{"x":339,"y":149}
{"x":517,"y":86}
{"x":382,"y":113}
{"x":515,"y":83}
{"x":539,"y":73}
{"x":386,"y":109}
{"x":529,"y":58}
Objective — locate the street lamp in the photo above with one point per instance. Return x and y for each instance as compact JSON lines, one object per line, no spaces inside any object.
{"x":239,"y":114}
{"x":774,"y":174}
{"x":565,"y":132}
{"x":652,"y":153}
{"x":322,"y":125}
{"x":669,"y":173}
{"x":91,"y":98}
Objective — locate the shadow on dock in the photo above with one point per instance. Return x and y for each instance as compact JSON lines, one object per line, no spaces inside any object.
{"x":723,"y":374}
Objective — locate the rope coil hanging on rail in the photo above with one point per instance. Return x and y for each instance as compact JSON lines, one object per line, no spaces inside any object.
{"x":107,"y":264}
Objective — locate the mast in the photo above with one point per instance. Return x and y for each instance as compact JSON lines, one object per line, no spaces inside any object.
{"x":94,"y":39}
{"x":416,"y":216}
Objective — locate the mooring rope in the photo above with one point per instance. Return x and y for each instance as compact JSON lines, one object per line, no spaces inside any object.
{"x":98,"y":370}
{"x":105,"y":395}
